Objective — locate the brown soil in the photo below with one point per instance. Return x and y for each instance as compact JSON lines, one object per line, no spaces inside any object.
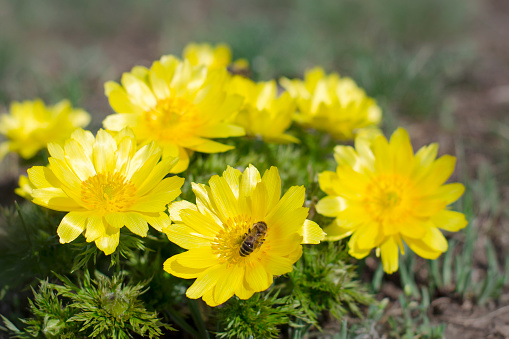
{"x":482,"y":107}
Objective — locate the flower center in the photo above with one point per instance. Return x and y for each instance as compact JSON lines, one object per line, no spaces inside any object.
{"x":171,"y":119}
{"x":239,"y":239}
{"x":108,"y":192}
{"x":389,"y":199}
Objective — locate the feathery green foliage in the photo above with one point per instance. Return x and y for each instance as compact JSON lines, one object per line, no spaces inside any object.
{"x":100,"y":308}
{"x":324,"y":281}
{"x":260,"y":316}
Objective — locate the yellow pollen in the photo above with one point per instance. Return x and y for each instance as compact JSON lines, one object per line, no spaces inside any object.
{"x":108,"y":192}
{"x":228,"y":241}
{"x":172,"y":119}
{"x":388,"y":199}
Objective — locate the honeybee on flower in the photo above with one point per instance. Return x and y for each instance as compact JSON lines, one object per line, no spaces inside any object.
{"x":239,"y":234}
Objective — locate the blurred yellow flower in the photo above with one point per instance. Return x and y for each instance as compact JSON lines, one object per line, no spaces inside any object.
{"x":332,"y":104}
{"x":216,"y":57}
{"x":25,"y":188}
{"x":264,"y":114}
{"x":31,"y":125}
{"x":382,"y":194}
{"x":177,"y":105}
{"x":106,"y":183}
{"x":239,"y":235}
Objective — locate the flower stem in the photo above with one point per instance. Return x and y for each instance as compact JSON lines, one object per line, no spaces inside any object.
{"x":29,"y":240}
{"x":198,"y":319}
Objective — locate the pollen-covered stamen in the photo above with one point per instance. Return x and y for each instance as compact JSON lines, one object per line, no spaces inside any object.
{"x":172,"y":118}
{"x":108,"y":192}
{"x":388,"y":198}
{"x":229,"y":240}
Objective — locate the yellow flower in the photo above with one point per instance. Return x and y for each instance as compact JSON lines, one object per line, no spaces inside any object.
{"x":25,"y":188}
{"x":216,"y":57}
{"x":263,"y":113}
{"x":332,"y":104}
{"x":178,"y":105}
{"x":31,"y":125}
{"x":214,"y":231}
{"x":382,"y":194}
{"x":219,"y":56}
{"x":105,"y":183}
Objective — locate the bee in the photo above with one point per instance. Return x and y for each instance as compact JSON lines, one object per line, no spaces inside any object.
{"x":253,"y":239}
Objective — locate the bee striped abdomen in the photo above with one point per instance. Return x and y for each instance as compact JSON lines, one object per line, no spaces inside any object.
{"x":253,"y":239}
{"x":246,"y":249}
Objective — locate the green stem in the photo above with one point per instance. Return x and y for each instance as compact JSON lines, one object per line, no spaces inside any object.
{"x":29,"y":240}
{"x":178,"y":320}
{"x":198,"y":320}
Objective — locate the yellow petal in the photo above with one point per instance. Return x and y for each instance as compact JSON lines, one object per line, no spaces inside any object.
{"x":173,"y":267}
{"x":259,"y":202}
{"x":63,"y":173}
{"x":449,"y":220}
{"x":208,"y":146}
{"x":198,"y":258}
{"x":95,"y":228}
{"x":438,"y":173}
{"x":414,"y":228}
{"x":177,"y":206}
{"x":159,"y":80}
{"x":329,"y":182}
{"x":389,"y":251}
{"x":221,"y":130}
{"x":104,"y":152}
{"x":228,"y":283}
{"x":183,"y":161}
{"x":136,"y":223}
{"x":345,"y":155}
{"x":368,"y":236}
{"x":139,"y":93}
{"x":224,"y":199}
{"x":311,"y":233}
{"x":116,"y":122}
{"x":71,"y":226}
{"x":449,"y":192}
{"x":159,"y":222}
{"x":55,"y":199}
{"x":402,"y":150}
{"x":244,"y":291}
{"x":273,"y":184}
{"x":258,"y":278}
{"x":276,"y":265}
{"x":199,"y":222}
{"x":425,"y":156}
{"x":250,"y":178}
{"x":430,"y":246}
{"x":330,"y":206}
{"x":156,"y":200}
{"x":335,"y":231}
{"x":205,"y":281}
{"x":232,"y":175}
{"x":186,"y":237}
{"x":109,"y":242}
{"x":78,"y":159}
{"x":291,"y":200}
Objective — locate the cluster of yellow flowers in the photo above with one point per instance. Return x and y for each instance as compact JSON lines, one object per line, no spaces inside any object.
{"x":241,"y":232}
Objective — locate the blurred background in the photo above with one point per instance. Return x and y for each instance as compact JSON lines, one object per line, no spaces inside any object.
{"x":438,"y":68}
